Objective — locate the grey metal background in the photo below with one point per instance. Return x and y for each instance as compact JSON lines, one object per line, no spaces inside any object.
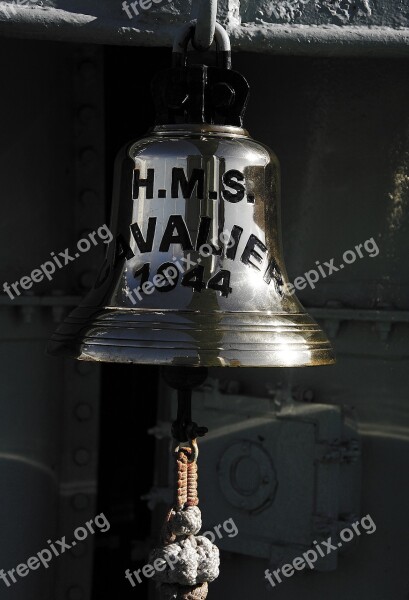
{"x":50,"y":107}
{"x":337,"y":27}
{"x":340,"y":128}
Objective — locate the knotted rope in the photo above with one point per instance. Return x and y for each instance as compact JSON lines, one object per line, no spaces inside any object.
{"x":191,"y":560}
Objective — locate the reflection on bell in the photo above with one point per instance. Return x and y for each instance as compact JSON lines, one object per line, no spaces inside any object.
{"x":195,"y":273}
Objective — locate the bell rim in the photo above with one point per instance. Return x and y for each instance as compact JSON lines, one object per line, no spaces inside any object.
{"x":134,"y":336}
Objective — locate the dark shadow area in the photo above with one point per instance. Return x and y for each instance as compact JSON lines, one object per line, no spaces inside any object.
{"x":126,"y":468}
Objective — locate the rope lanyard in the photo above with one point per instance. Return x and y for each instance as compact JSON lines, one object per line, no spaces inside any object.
{"x":190,"y":561}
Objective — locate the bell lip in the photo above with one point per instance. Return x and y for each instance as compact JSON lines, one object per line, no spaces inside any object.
{"x":233,"y":339}
{"x":80,"y":351}
{"x":200,"y":129}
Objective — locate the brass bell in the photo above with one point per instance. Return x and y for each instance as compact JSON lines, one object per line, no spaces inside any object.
{"x":195,"y":274}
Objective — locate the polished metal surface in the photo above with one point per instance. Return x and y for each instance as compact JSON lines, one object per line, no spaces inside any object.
{"x":176,"y":191}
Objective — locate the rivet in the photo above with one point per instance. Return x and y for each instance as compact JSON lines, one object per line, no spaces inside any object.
{"x":83,"y":368}
{"x":87,"y":279}
{"x":83,"y":411}
{"x":308,"y":395}
{"x":80,"y":501}
{"x":82,"y":456}
{"x":27,"y":313}
{"x":78,"y":549}
{"x":87,"y":70}
{"x":84,"y":233}
{"x":88,"y":156}
{"x":87,"y":113}
{"x":58,"y":312}
{"x":88,"y":197}
{"x":75,"y":593}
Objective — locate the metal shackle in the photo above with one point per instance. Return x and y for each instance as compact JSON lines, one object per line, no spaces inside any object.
{"x":206,"y":15}
{"x":186,"y":34}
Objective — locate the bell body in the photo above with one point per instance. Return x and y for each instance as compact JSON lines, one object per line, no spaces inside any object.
{"x":195,"y":275}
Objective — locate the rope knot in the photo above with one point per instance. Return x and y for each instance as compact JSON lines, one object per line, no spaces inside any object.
{"x":189,"y":561}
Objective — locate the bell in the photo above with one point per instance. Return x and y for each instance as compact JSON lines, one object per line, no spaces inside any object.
{"x":195,"y":274}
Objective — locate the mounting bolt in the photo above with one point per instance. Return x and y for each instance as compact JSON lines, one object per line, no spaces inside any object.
{"x":75,"y":593}
{"x":88,"y":71}
{"x":176,"y":97}
{"x":308,"y":396}
{"x":88,"y":197}
{"x":88,"y":157}
{"x":86,"y":114}
{"x":82,"y":456}
{"x":83,"y":368}
{"x":83,"y":411}
{"x":79,"y":549}
{"x":80,"y":501}
{"x":222,"y":95}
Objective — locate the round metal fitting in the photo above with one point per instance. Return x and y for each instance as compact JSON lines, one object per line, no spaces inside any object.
{"x":82,"y":456}
{"x":83,"y":411}
{"x":247,"y":476}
